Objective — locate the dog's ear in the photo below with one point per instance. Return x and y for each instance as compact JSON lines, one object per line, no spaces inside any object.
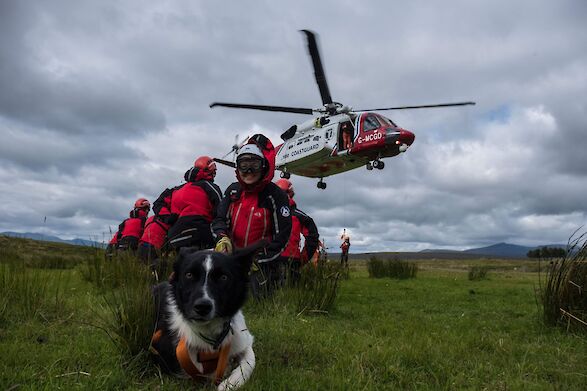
{"x":176,"y":270}
{"x":183,"y":253}
{"x":245,"y":255}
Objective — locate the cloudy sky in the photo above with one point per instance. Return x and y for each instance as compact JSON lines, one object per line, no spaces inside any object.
{"x":103,"y":102}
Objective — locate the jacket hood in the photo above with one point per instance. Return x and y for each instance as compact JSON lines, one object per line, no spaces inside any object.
{"x":269,"y":153}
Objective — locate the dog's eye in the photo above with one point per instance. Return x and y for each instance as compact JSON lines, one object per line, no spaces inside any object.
{"x":223,"y":277}
{"x":189,"y":275}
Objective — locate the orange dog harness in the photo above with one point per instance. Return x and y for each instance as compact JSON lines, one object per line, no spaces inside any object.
{"x":211,"y":361}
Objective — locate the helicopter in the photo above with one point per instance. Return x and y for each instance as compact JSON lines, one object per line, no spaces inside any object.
{"x":337,"y":138}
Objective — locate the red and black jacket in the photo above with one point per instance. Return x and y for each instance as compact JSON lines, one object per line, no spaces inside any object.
{"x":162,"y":205}
{"x":155,"y":232}
{"x":248,"y":214}
{"x":156,"y":227}
{"x":133,"y":226}
{"x":193,"y":207}
{"x":198,"y":198}
{"x":302,"y":224}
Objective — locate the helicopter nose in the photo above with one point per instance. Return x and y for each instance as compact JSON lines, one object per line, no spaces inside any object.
{"x":406,"y":137}
{"x":401,"y":138}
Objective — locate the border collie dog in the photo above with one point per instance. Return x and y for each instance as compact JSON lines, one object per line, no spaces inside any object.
{"x":201,"y":331}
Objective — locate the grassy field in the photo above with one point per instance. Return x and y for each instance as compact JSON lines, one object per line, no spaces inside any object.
{"x":437,"y":331}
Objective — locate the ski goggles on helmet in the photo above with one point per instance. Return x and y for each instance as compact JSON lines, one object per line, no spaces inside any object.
{"x":250,"y":165}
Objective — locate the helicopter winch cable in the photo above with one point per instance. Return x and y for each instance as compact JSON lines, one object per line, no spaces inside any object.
{"x":421,"y":106}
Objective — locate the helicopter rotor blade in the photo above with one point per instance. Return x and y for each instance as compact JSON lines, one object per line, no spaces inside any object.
{"x":318,"y":69}
{"x":295,"y":110}
{"x":421,"y":106}
{"x":225,"y":162}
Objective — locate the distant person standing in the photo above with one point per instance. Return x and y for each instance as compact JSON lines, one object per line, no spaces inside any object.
{"x":344,"y":247}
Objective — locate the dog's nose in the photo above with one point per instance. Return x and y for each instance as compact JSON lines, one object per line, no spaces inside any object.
{"x":203,"y":307}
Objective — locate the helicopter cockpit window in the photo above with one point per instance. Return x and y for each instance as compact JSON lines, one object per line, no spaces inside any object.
{"x":387,"y":121}
{"x":370,"y":123}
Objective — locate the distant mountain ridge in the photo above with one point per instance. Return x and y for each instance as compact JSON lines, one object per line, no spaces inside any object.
{"x":499,"y":250}
{"x":508,"y":250}
{"x":50,"y":238}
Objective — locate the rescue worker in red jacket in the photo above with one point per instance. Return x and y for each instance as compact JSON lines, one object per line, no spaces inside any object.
{"x":112,"y":245}
{"x":344,"y":247}
{"x":301,"y":224}
{"x":131,"y":229}
{"x":193,"y":207}
{"x":154,"y":236}
{"x":254,"y":209}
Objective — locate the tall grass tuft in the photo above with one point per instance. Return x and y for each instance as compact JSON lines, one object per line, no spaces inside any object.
{"x":55,"y":261}
{"x":562,"y":291}
{"x":376,"y":267}
{"x":27,"y":293}
{"x":314,"y":293}
{"x":94,"y":270}
{"x":128,"y":311}
{"x":392,"y":268}
{"x":477,"y":273}
{"x":10,"y":254}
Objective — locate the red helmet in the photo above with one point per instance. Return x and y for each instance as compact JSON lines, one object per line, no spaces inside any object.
{"x":205,"y":163}
{"x":286,"y":186}
{"x":142,"y":203}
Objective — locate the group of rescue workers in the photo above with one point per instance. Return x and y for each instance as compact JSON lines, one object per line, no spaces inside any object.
{"x":197,"y":214}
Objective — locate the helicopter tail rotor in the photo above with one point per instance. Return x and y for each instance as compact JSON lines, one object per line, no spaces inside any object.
{"x":235,"y":147}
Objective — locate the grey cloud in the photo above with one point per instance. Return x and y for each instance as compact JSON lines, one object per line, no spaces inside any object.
{"x":105,"y":102}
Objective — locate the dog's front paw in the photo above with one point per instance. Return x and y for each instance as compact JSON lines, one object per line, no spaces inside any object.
{"x":225,"y":386}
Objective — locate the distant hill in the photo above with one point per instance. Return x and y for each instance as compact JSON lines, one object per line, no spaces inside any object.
{"x":50,"y":238}
{"x":501,"y":250}
{"x":498,"y":250}
{"x":508,"y":250}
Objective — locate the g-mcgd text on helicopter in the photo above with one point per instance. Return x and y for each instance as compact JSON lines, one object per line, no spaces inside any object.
{"x":317,"y":148}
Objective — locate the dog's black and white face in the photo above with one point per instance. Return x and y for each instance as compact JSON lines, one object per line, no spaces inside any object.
{"x":209,"y":285}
